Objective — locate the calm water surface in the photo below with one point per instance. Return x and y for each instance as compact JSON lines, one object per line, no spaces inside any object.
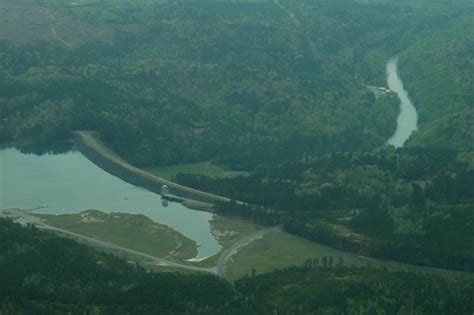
{"x":69,"y":183}
{"x":407,"y":121}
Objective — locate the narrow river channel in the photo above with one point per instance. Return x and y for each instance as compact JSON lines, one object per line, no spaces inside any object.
{"x":407,"y":121}
{"x":70,"y":183}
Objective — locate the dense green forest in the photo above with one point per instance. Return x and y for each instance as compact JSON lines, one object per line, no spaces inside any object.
{"x":42,"y":273}
{"x":439,"y":75}
{"x":413,"y":205}
{"x":175,"y":82}
{"x":281,"y":91}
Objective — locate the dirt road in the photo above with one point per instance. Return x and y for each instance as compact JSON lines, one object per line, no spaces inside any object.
{"x":25,"y":218}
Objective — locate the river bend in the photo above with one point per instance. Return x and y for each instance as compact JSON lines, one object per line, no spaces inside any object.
{"x":407,"y":120}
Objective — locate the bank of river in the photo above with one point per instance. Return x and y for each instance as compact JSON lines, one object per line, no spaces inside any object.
{"x":69,"y":183}
{"x":407,"y":121}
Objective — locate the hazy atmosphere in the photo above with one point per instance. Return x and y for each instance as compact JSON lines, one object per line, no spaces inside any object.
{"x":236,"y":156}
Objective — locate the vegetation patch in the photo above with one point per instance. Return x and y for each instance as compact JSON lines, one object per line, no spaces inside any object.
{"x":132,"y":231}
{"x":228,"y":230}
{"x":279,"y":250}
{"x":207,"y":168}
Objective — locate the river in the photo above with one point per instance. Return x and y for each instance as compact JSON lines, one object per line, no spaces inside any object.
{"x":407,"y":121}
{"x":69,"y":183}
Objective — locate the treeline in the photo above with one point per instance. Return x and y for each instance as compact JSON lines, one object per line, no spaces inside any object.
{"x":437,"y":72}
{"x":343,"y":290}
{"x":222,"y":79}
{"x":412,"y":205}
{"x":42,"y":273}
{"x":225,"y":79}
{"x":192,"y":81}
{"x":357,"y":179}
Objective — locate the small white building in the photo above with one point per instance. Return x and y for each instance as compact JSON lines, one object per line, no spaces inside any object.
{"x":384,"y":89}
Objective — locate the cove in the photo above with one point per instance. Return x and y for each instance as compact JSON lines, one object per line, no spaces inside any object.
{"x":69,"y":183}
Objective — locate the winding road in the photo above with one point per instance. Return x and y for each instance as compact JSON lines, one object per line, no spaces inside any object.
{"x":24,"y":218}
{"x":227,"y":254}
{"x":219,"y":269}
{"x":158,"y":260}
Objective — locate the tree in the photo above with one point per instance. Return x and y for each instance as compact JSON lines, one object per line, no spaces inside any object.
{"x":325,"y":261}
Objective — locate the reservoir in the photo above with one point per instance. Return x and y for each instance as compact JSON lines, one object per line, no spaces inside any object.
{"x":408,"y":118}
{"x":69,"y":183}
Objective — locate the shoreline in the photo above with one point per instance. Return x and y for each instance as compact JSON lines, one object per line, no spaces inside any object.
{"x":97,"y":152}
{"x":407,"y":120}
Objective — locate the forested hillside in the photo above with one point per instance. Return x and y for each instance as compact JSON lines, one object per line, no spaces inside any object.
{"x":439,"y":73}
{"x":286,"y":96}
{"x":410,"y":205}
{"x":42,"y":273}
{"x":173,"y":82}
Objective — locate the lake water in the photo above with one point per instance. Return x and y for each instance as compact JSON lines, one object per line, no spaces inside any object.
{"x":69,"y":183}
{"x":407,"y":121}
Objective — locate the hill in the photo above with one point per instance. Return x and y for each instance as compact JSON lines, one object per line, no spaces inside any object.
{"x":439,"y":76}
{"x":174,"y":82}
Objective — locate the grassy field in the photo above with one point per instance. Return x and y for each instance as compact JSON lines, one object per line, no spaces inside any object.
{"x":278,"y":250}
{"x":200,"y":168}
{"x":227,"y":230}
{"x":100,"y":154}
{"x":136,"y":232}
{"x":275,"y":250}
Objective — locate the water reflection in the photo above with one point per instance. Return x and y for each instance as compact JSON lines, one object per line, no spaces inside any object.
{"x":47,"y":149}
